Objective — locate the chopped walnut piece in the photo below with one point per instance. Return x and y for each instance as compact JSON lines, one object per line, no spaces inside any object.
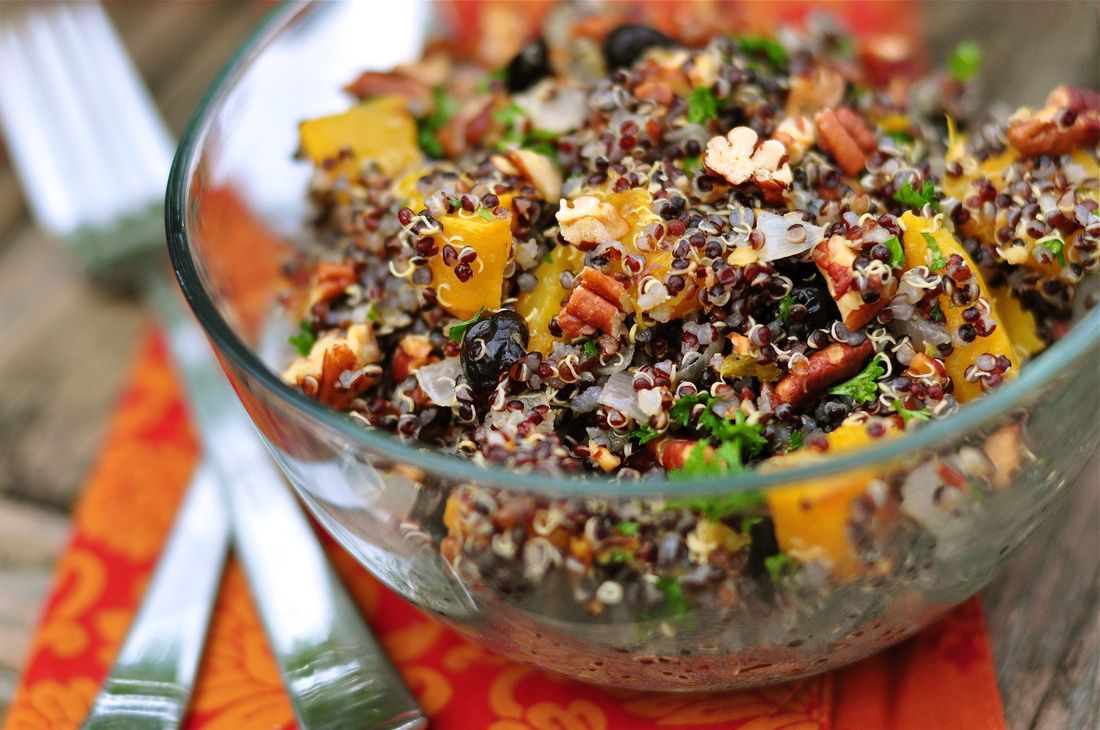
{"x":602,"y":457}
{"x":836,"y":261}
{"x":338,"y":368}
{"x":738,"y":158}
{"x":797,"y":134}
{"x":1005,"y":450}
{"x":828,"y":366}
{"x":1074,"y":98}
{"x":1054,"y":130}
{"x":539,"y":170}
{"x":597,"y":303}
{"x":587,"y":220}
{"x":844,"y":135}
{"x":392,"y":83}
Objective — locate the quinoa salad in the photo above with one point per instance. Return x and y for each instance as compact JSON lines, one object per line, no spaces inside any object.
{"x":630,"y":254}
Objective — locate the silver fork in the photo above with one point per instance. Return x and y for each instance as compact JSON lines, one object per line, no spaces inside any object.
{"x":93,"y":156}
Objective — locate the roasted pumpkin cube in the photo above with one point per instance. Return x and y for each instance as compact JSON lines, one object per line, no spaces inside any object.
{"x":917,"y":253}
{"x":380,"y":129}
{"x":811,"y":518}
{"x":542,"y":303}
{"x":491,"y":238}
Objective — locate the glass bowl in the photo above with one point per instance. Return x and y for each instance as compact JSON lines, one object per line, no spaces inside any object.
{"x":894,"y":534}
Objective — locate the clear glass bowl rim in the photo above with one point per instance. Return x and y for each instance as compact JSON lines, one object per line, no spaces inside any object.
{"x":1074,"y":345}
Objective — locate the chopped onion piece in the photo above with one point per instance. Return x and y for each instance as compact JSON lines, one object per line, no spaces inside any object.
{"x":438,"y":381}
{"x":777,"y":243}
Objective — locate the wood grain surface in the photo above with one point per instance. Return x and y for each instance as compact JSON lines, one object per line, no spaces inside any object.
{"x":65,"y":347}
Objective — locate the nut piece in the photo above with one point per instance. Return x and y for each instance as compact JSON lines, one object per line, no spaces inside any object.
{"x":597,"y":302}
{"x":672,"y":453}
{"x":392,"y":83}
{"x":843,"y":134}
{"x":602,"y":457}
{"x":737,"y":158}
{"x":1077,"y":99}
{"x":1055,"y":131}
{"x":828,"y":366}
{"x":797,"y":134}
{"x":822,"y":88}
{"x":587,"y":220}
{"x":412,"y":352}
{"x":539,"y":170}
{"x":337,"y":368}
{"x":836,"y":263}
{"x":330,"y":280}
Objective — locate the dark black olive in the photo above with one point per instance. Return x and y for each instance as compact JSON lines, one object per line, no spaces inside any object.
{"x":626,"y":44}
{"x":821,"y":310}
{"x":528,"y":66}
{"x":491,"y":346}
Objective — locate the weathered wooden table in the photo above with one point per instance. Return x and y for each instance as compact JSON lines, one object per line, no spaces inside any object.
{"x":65,"y":348}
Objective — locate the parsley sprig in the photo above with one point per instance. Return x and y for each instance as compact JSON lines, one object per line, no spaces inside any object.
{"x":444,"y":108}
{"x":785,"y":305}
{"x":458,"y":331}
{"x":863,"y":388}
{"x":939,"y":261}
{"x":897,"y":253}
{"x":965,"y":61}
{"x":303,"y":340}
{"x":908,"y":415}
{"x":702,"y":105}
{"x":771,"y":49}
{"x":907,"y":195}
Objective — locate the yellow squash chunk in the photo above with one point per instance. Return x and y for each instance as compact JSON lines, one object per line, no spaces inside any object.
{"x":1020,"y":325}
{"x":542,"y":303}
{"x":380,"y":129}
{"x":811,"y":518}
{"x":998,"y":343}
{"x":492,"y":239}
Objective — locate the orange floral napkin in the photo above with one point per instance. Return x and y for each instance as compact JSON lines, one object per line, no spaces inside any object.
{"x":943,"y":678}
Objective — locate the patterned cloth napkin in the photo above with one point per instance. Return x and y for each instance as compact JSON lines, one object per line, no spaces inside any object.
{"x":943,"y":678}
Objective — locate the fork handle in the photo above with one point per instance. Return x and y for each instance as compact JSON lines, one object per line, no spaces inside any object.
{"x":150,"y":683}
{"x":335,"y":672}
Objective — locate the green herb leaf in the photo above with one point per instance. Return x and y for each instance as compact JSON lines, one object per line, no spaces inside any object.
{"x":907,"y":415}
{"x":629,"y":528}
{"x":748,"y":521}
{"x":863,"y":388}
{"x":456,"y":203}
{"x":681,"y":409}
{"x":591,"y":349}
{"x":458,"y":331}
{"x":444,"y":109}
{"x":548,"y":258}
{"x":785,"y":305}
{"x":702,"y":105}
{"x":939,"y":261}
{"x":917,"y":200}
{"x":771,"y":49}
{"x":781,"y":566}
{"x":372,"y":313}
{"x":691,"y":163}
{"x":1057,"y":249}
{"x":304,"y":339}
{"x":900,"y":137}
{"x":796,"y":441}
{"x":897,"y":253}
{"x":965,"y":61}
{"x":715,"y":507}
{"x":937,"y":312}
{"x":485,"y":214}
{"x":674,"y":595}
{"x":509,"y":115}
{"x":644,"y":434}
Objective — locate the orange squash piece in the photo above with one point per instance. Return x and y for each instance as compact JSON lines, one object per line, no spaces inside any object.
{"x":998,"y":343}
{"x":542,"y":303}
{"x":811,"y":518}
{"x":492,"y":239}
{"x":380,"y":129}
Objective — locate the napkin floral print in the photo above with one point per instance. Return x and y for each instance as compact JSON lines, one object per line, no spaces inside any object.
{"x":125,"y":515}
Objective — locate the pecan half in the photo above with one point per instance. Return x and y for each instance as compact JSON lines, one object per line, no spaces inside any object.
{"x":412,"y":352}
{"x":1054,"y":131}
{"x":587,"y":220}
{"x":539,"y":171}
{"x":1075,"y":98}
{"x":828,"y":366}
{"x":330,"y":280}
{"x":738,"y":158}
{"x":672,"y":453}
{"x":597,"y":302}
{"x":843,"y":134}
{"x":836,"y":262}
{"x":392,"y":83}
